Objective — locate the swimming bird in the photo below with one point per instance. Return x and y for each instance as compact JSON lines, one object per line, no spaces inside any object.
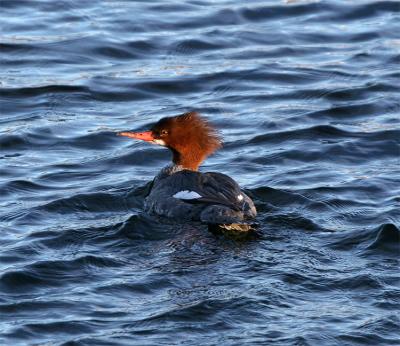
{"x":180,"y":191}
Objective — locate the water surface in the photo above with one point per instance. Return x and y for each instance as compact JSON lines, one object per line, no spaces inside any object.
{"x":306,"y":95}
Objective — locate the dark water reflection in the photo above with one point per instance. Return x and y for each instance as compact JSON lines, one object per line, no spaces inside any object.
{"x":306,"y":94}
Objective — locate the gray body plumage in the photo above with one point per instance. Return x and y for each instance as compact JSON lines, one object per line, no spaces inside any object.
{"x":221,"y":201}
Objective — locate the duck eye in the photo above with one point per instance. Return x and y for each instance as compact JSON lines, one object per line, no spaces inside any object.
{"x":164,"y":132}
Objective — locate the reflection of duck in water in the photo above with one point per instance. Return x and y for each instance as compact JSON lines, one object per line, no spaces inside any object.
{"x":179,"y":190}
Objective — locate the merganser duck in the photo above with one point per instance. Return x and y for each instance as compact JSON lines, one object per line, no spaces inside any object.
{"x":179,"y":191}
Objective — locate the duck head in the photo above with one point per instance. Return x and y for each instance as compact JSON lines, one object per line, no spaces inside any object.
{"x":189,"y":136}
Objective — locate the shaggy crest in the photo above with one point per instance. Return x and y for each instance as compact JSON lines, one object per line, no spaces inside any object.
{"x":190,"y":137}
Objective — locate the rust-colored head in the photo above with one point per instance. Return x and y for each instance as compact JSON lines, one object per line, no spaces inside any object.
{"x":189,"y":136}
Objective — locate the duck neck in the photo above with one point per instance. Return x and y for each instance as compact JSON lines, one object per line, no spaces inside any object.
{"x":188,"y":160}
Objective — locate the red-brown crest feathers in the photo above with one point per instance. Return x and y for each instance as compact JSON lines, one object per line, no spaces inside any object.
{"x":191,"y":138}
{"x":199,"y":128}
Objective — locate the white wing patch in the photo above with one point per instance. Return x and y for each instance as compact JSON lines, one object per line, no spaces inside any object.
{"x":186,"y":194}
{"x":240,"y":197}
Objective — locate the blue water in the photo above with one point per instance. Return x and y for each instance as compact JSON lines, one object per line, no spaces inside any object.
{"x":307,"y":97}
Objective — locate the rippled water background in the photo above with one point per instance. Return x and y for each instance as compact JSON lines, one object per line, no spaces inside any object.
{"x":306,"y":95}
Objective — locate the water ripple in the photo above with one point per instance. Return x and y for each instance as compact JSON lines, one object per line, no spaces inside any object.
{"x":306,"y":96}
